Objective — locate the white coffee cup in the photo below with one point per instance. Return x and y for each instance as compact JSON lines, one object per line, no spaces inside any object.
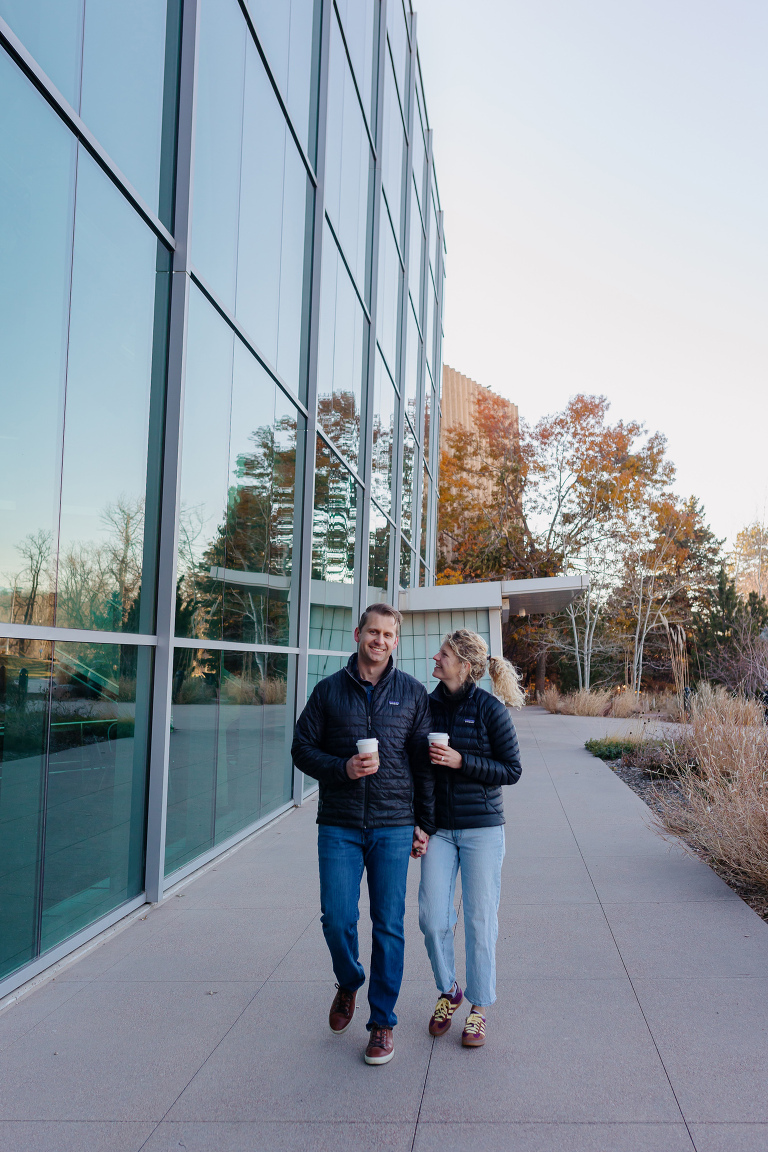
{"x":438,"y":738}
{"x":369,"y":746}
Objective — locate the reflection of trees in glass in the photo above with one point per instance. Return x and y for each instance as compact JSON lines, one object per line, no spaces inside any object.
{"x":338,"y":415}
{"x":378,"y":554}
{"x":94,"y":584}
{"x":334,"y":522}
{"x":253,"y":544}
{"x":409,"y":459}
{"x":381,"y":463}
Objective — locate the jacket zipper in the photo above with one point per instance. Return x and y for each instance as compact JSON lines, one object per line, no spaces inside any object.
{"x":368,"y":725}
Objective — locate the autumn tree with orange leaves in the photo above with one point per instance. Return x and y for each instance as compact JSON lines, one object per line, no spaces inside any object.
{"x":573,"y":493}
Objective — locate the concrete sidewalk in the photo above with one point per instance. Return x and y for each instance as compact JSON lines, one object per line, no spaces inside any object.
{"x":632,"y":1007}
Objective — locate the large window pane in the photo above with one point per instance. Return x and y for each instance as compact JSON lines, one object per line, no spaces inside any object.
{"x":37,"y":181}
{"x":426,"y":438}
{"x":412,"y":361}
{"x":115,"y":63}
{"x":230,"y":759}
{"x":319,"y":668}
{"x":415,"y":251}
{"x":218,"y":144}
{"x":97,"y":773}
{"x":409,"y":464}
{"x":384,"y":401}
{"x":341,"y":355}
{"x":407,"y":560}
{"x":274,"y":220}
{"x":109,"y":477}
{"x":388,"y":302}
{"x":25,"y":682}
{"x":204,"y":468}
{"x":334,"y":529}
{"x":348,"y":166}
{"x":253,"y":767}
{"x":424,"y":509}
{"x":398,"y":42}
{"x":358,"y":18}
{"x":378,"y":555}
{"x":129,"y":89}
{"x":289,"y":33}
{"x":330,"y":619}
{"x":252,"y":197}
{"x":192,"y":768}
{"x":393,"y":152}
{"x":52,"y":31}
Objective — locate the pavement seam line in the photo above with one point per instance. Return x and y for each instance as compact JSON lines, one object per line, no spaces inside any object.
{"x":426,"y":1074}
{"x":223,"y":1037}
{"x":615,"y":941}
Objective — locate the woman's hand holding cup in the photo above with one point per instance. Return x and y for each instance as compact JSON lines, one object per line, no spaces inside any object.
{"x":440,"y":751}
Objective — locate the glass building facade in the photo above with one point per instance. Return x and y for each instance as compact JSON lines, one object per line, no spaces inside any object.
{"x":221,"y":268}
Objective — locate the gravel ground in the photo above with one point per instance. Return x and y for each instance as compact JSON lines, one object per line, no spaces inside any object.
{"x":644,"y":785}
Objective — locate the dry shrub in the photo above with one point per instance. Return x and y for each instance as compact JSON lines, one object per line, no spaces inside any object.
{"x":720,"y":802}
{"x":550,"y":699}
{"x":586,"y":702}
{"x":719,"y":702}
{"x":627,"y":704}
{"x":235,"y":690}
{"x":273,"y":690}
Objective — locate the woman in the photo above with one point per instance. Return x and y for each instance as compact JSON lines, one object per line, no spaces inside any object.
{"x":481,"y":757}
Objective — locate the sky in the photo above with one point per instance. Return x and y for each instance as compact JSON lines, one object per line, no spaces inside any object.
{"x":603,"y":170}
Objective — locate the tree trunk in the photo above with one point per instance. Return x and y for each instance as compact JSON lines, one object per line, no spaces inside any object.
{"x":541,"y":671}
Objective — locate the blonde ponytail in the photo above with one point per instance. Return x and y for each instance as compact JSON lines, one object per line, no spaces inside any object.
{"x":506,"y":681}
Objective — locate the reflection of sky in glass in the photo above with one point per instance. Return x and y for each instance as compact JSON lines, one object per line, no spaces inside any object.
{"x":341,"y":354}
{"x":286,"y":33}
{"x":358,"y":18}
{"x":36,"y":205}
{"x":390,"y":278}
{"x":348,"y":164}
{"x":109,"y":65}
{"x":108,"y":373}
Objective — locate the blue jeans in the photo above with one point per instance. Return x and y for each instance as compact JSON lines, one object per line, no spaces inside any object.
{"x":384,"y":853}
{"x":478,"y":852}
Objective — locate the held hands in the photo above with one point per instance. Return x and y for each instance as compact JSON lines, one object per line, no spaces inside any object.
{"x":362,"y":764}
{"x":420,"y":842}
{"x":445,"y":756}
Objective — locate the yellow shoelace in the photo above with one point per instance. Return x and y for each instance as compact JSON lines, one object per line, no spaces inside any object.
{"x":442,"y":1009}
{"x":475,"y":1024}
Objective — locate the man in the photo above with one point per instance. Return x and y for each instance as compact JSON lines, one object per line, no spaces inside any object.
{"x":366,"y":813}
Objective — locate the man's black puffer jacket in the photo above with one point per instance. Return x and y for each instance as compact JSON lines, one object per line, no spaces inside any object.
{"x":337,"y":715}
{"x":480,"y":728}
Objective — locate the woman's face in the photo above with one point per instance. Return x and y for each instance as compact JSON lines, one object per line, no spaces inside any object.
{"x":449,"y":668}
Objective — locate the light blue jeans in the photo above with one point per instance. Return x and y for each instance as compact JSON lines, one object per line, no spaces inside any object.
{"x":478,"y":852}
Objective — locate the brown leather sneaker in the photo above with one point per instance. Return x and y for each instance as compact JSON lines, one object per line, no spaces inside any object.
{"x":473,"y":1035}
{"x":342,"y":1011}
{"x":381,"y":1046}
{"x":444,"y":1010}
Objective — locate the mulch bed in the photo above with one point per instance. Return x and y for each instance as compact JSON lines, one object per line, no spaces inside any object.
{"x":644,"y":785}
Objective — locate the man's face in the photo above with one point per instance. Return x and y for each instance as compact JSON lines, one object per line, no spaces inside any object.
{"x":377,"y":640}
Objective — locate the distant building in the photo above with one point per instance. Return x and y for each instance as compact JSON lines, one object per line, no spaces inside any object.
{"x":458,"y":403}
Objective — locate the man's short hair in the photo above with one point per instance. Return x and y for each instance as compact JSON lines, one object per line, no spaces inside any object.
{"x":381,"y":610}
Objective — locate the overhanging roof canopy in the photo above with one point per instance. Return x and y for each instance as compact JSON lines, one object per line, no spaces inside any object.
{"x":515,"y":597}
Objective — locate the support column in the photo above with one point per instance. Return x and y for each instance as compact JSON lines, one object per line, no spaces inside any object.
{"x":159,"y":749}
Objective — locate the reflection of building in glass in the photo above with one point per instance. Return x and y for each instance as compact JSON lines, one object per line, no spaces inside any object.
{"x":222,"y":272}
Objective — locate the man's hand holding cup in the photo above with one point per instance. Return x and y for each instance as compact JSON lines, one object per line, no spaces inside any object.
{"x":366,"y":762}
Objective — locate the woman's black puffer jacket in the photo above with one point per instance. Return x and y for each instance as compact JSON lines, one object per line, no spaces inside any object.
{"x":480,"y":728}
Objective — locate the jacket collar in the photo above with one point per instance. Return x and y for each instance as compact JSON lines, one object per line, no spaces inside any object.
{"x":445,"y":697}
{"x":352,"y":669}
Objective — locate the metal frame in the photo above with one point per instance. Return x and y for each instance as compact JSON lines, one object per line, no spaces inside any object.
{"x":159,"y":744}
{"x":309,"y":455}
{"x":361,"y":574}
{"x":64,"y":109}
{"x":183,"y":276}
